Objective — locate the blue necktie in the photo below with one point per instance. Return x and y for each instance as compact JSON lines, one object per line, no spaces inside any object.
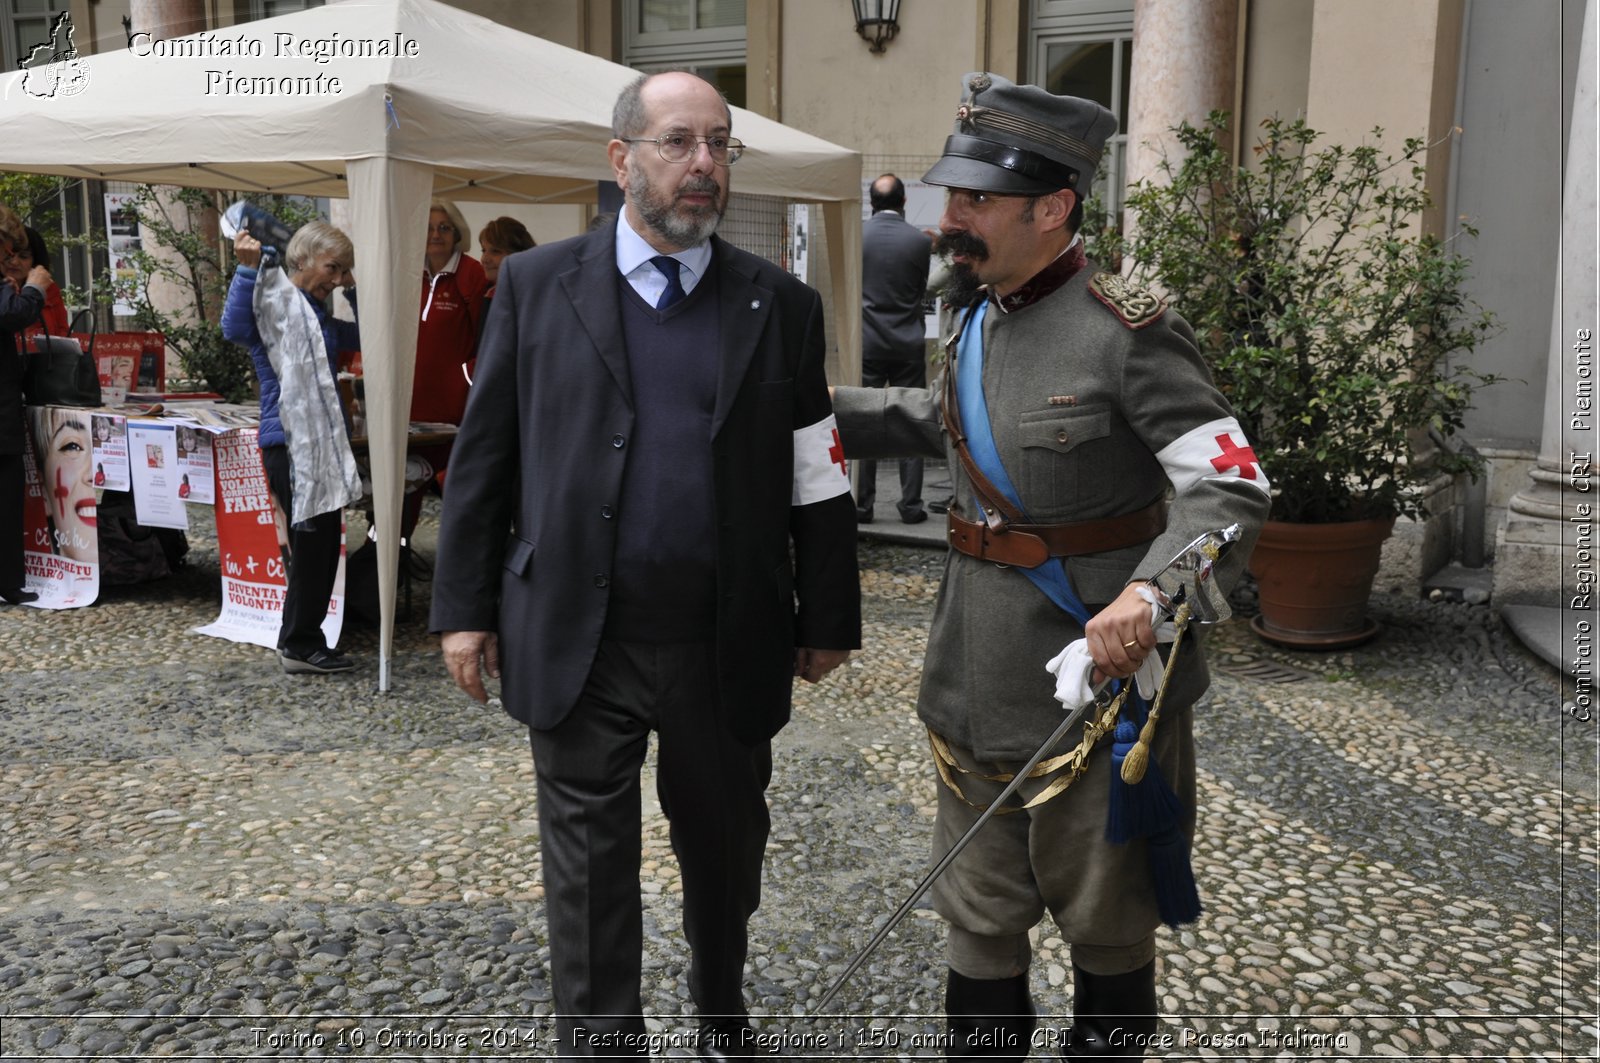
{"x":669,"y":269}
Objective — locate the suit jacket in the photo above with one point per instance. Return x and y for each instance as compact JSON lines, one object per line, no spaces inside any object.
{"x":529,"y":527}
{"x":894,"y":280}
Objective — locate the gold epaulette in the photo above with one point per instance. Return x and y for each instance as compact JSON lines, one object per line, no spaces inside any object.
{"x":1135,"y":307}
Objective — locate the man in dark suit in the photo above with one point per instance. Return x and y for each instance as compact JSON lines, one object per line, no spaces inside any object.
{"x":647,"y":437}
{"x":894,"y":281}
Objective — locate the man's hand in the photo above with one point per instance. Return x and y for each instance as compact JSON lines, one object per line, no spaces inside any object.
{"x":1120,"y":636}
{"x":470,"y":655}
{"x":811,"y":665}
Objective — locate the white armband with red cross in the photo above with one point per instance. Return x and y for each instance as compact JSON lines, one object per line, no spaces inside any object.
{"x":819,"y":468}
{"x":1217,"y":450}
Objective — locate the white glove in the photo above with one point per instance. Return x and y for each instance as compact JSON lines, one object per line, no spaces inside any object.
{"x":1165,"y":632}
{"x":1072,"y":668}
{"x":1148,"y":677}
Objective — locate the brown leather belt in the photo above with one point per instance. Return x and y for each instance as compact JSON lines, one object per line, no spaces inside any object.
{"x":1031,"y":545}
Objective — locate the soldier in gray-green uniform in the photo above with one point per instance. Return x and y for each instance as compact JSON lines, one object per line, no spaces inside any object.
{"x":1099,"y":448}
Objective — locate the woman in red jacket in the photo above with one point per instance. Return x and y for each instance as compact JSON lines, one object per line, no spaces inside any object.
{"x":25,"y":256}
{"x":453,"y":284}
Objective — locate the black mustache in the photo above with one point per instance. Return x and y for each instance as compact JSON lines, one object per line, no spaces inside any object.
{"x":961,"y":243}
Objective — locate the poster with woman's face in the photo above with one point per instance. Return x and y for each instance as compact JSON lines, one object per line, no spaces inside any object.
{"x":63,"y":551}
{"x":66,"y":467}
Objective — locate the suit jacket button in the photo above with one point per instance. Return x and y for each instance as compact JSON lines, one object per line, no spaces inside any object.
{"x":602,"y":580}
{"x":617,"y":441}
{"x":606,"y":512}
{"x":1061,"y":437}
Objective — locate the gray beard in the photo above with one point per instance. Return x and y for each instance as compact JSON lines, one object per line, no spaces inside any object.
{"x":684,"y":231}
{"x":659,"y":213}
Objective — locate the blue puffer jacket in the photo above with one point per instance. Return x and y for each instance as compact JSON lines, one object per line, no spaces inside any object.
{"x":239,"y":326}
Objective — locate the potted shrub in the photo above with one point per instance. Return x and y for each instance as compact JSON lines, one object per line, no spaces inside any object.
{"x":1337,"y":329}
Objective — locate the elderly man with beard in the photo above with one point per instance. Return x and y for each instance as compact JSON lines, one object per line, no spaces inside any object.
{"x":649,"y":528}
{"x":1073,"y":408}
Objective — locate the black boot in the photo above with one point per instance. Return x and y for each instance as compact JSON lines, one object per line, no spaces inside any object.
{"x":990,"y":1018}
{"x":1113,"y":1015}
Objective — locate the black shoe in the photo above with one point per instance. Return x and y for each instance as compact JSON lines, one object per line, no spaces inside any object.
{"x":1113,"y":1015}
{"x":915,"y":516}
{"x":724,"y":1041}
{"x":863,"y":516}
{"x":988,"y":1018}
{"x":317,"y":662}
{"x":19,"y":596}
{"x":941,"y":505}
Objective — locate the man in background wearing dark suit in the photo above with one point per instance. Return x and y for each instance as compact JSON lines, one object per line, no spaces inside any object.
{"x":648,"y":436}
{"x":894,"y":281}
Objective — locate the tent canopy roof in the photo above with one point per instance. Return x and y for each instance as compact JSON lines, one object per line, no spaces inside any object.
{"x":282,"y":104}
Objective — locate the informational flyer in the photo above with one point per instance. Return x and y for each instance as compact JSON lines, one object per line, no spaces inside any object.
{"x":251,"y":545}
{"x":111,"y":452}
{"x":61,"y":558}
{"x":194,"y":464}
{"x":153,"y":464}
{"x":123,"y":242}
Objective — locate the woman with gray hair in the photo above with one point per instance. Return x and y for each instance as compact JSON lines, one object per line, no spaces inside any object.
{"x":281,"y":315}
{"x":453,"y":284}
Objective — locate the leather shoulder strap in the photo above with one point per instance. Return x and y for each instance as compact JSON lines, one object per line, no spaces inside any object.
{"x":997,"y":510}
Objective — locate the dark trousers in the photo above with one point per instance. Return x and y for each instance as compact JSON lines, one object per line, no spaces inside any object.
{"x":312,"y":565}
{"x":11,"y":531}
{"x":894,"y":374}
{"x":711,"y":787}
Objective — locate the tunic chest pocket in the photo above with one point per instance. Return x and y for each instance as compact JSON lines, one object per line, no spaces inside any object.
{"x":1062,"y":462}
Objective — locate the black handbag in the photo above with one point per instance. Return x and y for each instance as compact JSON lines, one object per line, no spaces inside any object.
{"x":57,"y":371}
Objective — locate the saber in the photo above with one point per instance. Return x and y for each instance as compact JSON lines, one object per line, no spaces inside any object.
{"x":1184,"y":579}
{"x":955,"y":850}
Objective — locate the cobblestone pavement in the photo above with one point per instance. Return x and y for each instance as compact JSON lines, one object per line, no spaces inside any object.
{"x":203,"y":857}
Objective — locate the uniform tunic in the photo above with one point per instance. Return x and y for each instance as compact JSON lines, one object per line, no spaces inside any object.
{"x":1084,"y":407}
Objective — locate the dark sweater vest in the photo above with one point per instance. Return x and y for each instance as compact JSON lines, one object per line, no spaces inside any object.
{"x":664,"y":576}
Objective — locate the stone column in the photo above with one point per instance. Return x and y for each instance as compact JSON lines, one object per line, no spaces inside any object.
{"x":168,"y":18}
{"x":1183,"y":69}
{"x":1549,"y":523}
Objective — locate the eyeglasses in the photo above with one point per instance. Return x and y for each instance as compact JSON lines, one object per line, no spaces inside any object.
{"x":442,"y":227}
{"x":680,"y":147}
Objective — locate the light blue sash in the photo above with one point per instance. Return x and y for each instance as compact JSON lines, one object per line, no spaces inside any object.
{"x":1050,"y":577}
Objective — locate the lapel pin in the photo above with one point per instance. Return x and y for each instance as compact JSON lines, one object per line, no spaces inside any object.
{"x":755,"y":304}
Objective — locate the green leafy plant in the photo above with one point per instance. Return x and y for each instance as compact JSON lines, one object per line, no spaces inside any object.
{"x":1336,"y":328}
{"x":34,"y":197}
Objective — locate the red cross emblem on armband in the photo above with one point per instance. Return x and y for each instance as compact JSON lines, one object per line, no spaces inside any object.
{"x":836,"y":453}
{"x":1235,"y":457}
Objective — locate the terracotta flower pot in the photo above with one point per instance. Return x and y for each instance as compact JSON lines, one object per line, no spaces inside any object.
{"x":1315,"y":580}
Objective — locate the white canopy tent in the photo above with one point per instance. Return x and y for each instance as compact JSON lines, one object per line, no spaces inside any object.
{"x":389,"y":103}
